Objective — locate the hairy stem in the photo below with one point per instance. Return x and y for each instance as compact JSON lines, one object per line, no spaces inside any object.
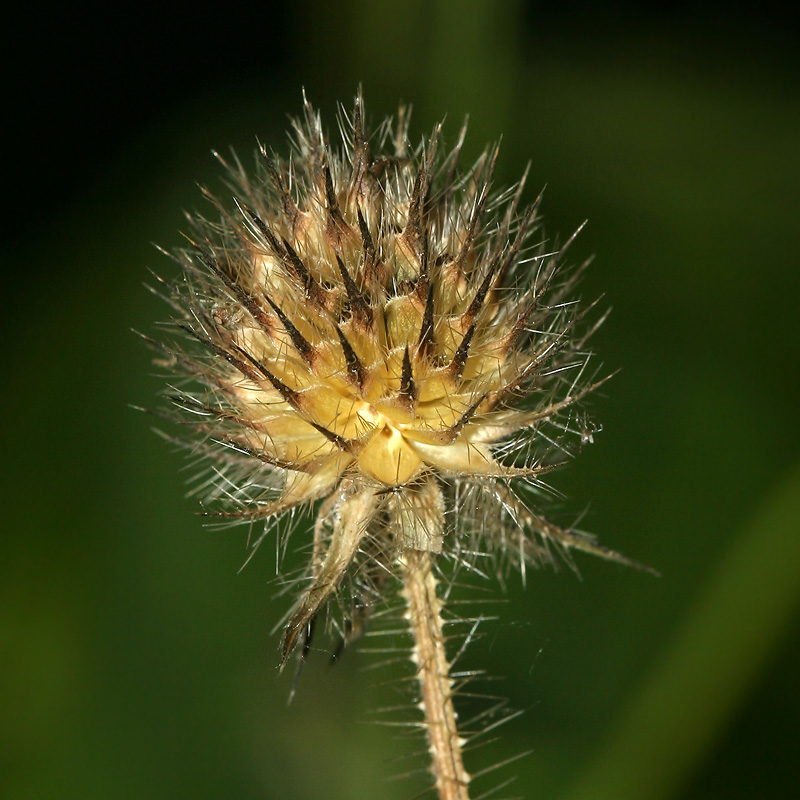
{"x":433,"y":672}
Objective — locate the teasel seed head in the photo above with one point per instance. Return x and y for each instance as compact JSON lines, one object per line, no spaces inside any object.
{"x":378,"y":337}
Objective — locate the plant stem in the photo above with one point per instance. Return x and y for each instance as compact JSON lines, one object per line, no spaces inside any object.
{"x":433,"y":672}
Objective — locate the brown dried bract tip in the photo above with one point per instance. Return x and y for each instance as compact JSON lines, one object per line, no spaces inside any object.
{"x":378,"y":338}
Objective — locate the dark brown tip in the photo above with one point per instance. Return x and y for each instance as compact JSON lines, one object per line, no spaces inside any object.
{"x":468,"y":317}
{"x":345,"y":445}
{"x":426,"y":343}
{"x":246,"y":369}
{"x":336,"y":227}
{"x":330,"y":192}
{"x":413,"y":230}
{"x":289,"y":395}
{"x":466,"y":416}
{"x":359,"y":307}
{"x":355,"y":368}
{"x":313,"y":291}
{"x":449,"y":435}
{"x":460,"y":357}
{"x":287,"y":201}
{"x":512,"y":337}
{"x":301,"y":344}
{"x":262,"y":227}
{"x":368,"y":246}
{"x":408,"y":391}
{"x":291,"y":634}
{"x":247,"y":300}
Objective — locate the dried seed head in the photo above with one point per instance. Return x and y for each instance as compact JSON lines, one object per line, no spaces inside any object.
{"x":382,"y":338}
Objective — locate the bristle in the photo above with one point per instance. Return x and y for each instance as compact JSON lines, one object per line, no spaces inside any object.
{"x":415,"y":231}
{"x":476,"y":217}
{"x":263,"y":228}
{"x":247,"y":300}
{"x":513,"y":251}
{"x":343,"y":444}
{"x":242,"y":366}
{"x":468,"y":317}
{"x":361,"y":159}
{"x":289,"y":395}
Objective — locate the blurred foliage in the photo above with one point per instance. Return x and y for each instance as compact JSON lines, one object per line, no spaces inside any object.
{"x":136,"y":662}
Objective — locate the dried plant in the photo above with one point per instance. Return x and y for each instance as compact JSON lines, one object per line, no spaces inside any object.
{"x":376,"y":337}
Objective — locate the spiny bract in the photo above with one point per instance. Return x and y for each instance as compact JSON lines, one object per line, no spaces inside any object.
{"x":378,"y":338}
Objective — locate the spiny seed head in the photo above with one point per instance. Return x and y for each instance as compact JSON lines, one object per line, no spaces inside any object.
{"x":376,"y":334}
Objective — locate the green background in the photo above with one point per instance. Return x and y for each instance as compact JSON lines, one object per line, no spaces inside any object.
{"x":137,"y":662}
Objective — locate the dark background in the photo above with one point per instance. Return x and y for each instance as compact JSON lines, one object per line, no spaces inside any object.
{"x":136,"y":662}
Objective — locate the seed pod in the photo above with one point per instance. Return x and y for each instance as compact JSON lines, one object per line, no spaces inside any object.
{"x":373,"y":333}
